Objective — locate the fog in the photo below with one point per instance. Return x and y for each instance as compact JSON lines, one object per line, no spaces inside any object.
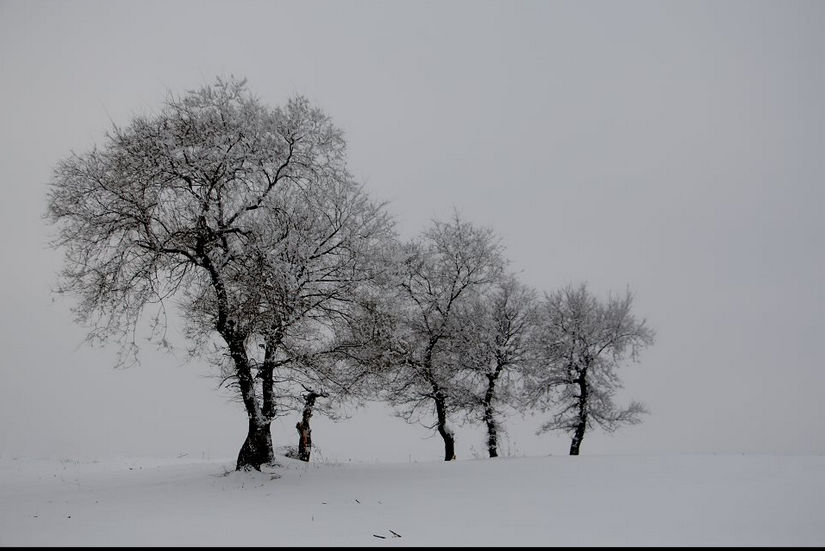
{"x":677,"y":148}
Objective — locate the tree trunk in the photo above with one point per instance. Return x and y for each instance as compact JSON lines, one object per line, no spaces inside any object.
{"x":257,"y":448}
{"x":440,"y":404}
{"x":578,"y":435}
{"x":443,"y":430}
{"x":492,"y":433}
{"x":489,"y":415}
{"x":581,"y":425}
{"x":304,"y":431}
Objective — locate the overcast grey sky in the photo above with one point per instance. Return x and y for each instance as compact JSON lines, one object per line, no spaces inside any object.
{"x":675,"y":147}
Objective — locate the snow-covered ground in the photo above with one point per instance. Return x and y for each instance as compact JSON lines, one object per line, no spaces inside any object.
{"x":555,"y":500}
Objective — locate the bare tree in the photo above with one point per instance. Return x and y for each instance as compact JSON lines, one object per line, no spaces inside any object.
{"x":413,"y":332}
{"x":493,"y":347}
{"x":581,"y":343}
{"x":245,"y":216}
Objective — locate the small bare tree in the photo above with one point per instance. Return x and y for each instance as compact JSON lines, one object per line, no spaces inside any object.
{"x":245,"y":216}
{"x":493,"y":348}
{"x":327,"y":383}
{"x":581,"y":343}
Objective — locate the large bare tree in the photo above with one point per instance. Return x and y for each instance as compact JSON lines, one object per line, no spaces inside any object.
{"x":246,"y":216}
{"x":581,"y":343}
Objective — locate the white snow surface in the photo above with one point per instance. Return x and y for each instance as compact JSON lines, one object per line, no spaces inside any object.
{"x":699,"y":500}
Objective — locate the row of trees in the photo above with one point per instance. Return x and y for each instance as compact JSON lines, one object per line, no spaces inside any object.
{"x":293,"y":282}
{"x":456,"y":335}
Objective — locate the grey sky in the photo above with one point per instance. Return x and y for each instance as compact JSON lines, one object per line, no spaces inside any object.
{"x":675,"y":147}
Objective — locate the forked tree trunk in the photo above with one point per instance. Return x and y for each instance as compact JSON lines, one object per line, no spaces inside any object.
{"x":257,"y":448}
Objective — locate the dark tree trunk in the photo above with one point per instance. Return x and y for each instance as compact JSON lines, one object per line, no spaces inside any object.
{"x":489,"y":415}
{"x":257,"y":448}
{"x":268,"y":388}
{"x":303,"y":428}
{"x":578,"y":435}
{"x":492,"y":434}
{"x":581,"y":424}
{"x":440,"y":404}
{"x":446,"y":434}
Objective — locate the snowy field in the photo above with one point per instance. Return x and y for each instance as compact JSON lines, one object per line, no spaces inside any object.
{"x":555,"y":500}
